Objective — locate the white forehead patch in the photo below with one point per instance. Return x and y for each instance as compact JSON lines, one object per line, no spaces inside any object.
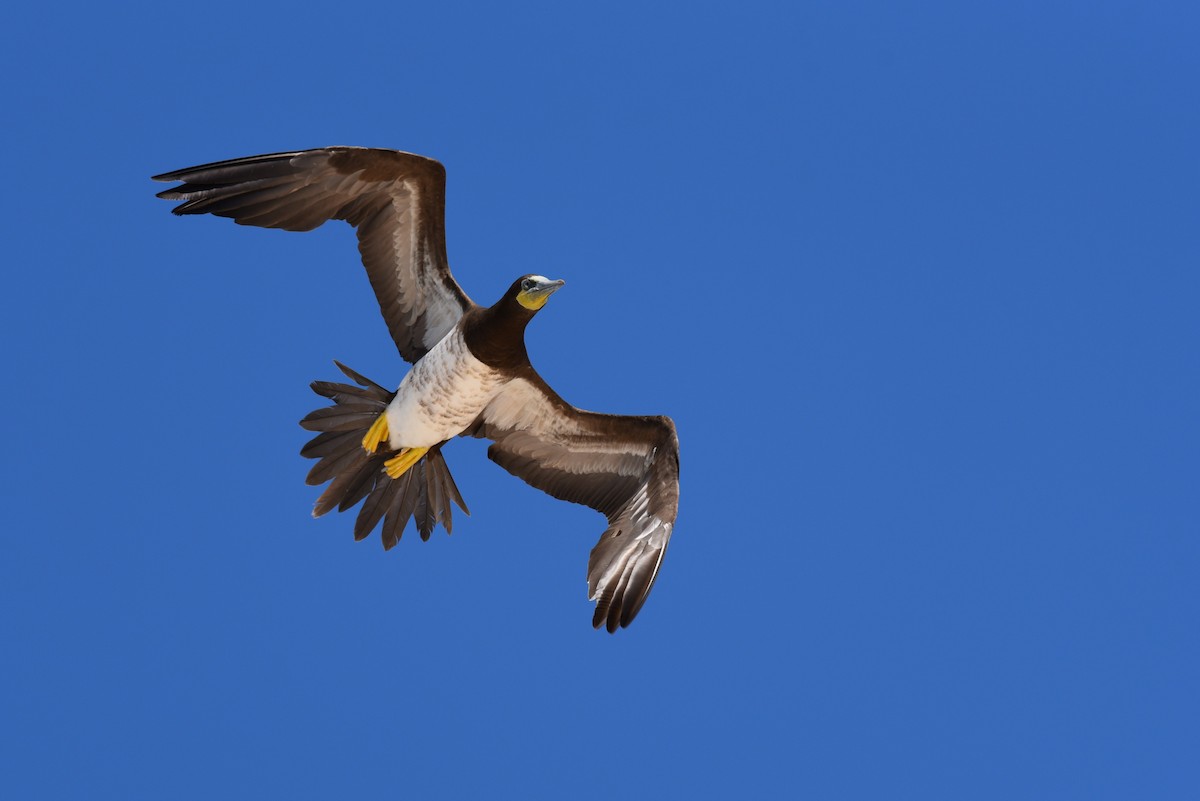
{"x":541,"y":279}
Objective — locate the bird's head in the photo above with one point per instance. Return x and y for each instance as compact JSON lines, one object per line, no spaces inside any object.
{"x":532,"y":291}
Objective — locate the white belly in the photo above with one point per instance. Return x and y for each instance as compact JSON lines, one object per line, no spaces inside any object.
{"x":441,"y":395}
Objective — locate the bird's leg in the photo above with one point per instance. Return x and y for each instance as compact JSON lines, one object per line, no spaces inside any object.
{"x":377,"y":433}
{"x":398,"y":464}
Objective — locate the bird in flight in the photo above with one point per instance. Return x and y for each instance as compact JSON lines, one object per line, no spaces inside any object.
{"x":470,"y":375}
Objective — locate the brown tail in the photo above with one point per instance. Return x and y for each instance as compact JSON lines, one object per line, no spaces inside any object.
{"x":423,"y":493}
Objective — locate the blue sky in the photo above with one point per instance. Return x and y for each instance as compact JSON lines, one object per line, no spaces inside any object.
{"x":917,"y":282}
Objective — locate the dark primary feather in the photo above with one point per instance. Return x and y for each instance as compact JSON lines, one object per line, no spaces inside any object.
{"x":623,"y":466}
{"x":395,"y":201}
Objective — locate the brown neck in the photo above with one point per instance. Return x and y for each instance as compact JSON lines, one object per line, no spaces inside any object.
{"x":496,"y":335}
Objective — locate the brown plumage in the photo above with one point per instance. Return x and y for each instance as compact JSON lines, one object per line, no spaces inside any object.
{"x":395,"y":201}
{"x":470,"y":359}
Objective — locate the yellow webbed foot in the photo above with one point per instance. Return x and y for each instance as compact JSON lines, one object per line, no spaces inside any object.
{"x":398,"y":464}
{"x":377,"y":433}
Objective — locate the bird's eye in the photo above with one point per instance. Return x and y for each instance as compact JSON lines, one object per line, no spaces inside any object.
{"x":526,"y":285}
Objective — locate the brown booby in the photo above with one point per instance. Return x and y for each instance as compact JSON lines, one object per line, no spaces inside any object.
{"x":471,"y":374}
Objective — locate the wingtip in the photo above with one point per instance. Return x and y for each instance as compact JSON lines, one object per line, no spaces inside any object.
{"x":604,"y":617}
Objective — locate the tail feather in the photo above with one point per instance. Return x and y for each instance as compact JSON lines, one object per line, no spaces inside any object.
{"x":423,"y":518}
{"x":359,"y":489}
{"x":424,"y":493}
{"x":352,"y":473}
{"x":362,"y":380}
{"x":327,"y":443}
{"x":401,"y":508}
{"x":336,"y":465}
{"x":449,"y":490}
{"x":373,"y":509}
{"x":334,"y":418}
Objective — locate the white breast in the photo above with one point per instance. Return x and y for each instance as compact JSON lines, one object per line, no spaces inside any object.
{"x":441,"y":395}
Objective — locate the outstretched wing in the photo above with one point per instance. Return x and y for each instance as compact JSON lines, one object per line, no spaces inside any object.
{"x":626,"y":467}
{"x":395,"y":201}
